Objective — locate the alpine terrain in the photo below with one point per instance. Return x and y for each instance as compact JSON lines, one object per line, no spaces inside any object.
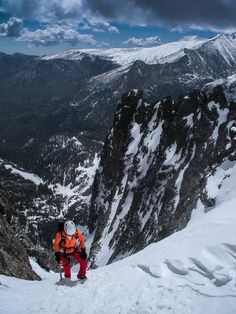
{"x":129,"y":175}
{"x":56,"y":111}
{"x":117,"y":157}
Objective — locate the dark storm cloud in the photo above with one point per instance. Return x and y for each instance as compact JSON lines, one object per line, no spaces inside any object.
{"x":214,"y":13}
{"x":12,"y":28}
{"x":211,"y":12}
{"x":202,"y":13}
{"x":22,"y":8}
{"x":56,"y":12}
{"x":43,"y":10}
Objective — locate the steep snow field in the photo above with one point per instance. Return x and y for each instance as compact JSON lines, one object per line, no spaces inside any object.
{"x":192,"y":271}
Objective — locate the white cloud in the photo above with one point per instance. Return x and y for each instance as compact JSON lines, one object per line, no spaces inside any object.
{"x":54,"y":35}
{"x":98,"y":24}
{"x":12,"y":28}
{"x":113,"y":29}
{"x":141,"y":42}
{"x":226,"y":30}
{"x":103,"y":44}
{"x":93,"y":28}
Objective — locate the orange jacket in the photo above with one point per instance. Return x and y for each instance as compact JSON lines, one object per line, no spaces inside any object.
{"x":63,"y":244}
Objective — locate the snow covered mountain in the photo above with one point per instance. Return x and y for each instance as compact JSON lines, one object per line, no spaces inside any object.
{"x":171,"y":69}
{"x":192,"y":271}
{"x":127,"y":56}
{"x":156,"y":165}
{"x":223,"y":44}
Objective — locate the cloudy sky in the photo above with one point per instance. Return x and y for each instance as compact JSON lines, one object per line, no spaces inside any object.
{"x":48,"y":26}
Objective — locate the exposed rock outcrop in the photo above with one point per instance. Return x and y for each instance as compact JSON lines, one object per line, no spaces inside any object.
{"x":154,"y":169}
{"x":13,"y":256}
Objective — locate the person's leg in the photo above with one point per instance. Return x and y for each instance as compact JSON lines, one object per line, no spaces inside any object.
{"x":65,"y":261}
{"x":83,"y":264}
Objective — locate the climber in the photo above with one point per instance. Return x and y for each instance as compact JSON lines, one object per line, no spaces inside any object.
{"x":68,"y":243}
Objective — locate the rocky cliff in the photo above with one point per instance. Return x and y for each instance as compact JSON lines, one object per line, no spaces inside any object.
{"x":13,"y":256}
{"x":155,"y":168}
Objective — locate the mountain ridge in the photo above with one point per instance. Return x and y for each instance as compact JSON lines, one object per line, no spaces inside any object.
{"x":154,"y":169}
{"x":151,"y":55}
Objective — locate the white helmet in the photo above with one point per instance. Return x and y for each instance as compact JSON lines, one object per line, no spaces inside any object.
{"x":69,"y":227}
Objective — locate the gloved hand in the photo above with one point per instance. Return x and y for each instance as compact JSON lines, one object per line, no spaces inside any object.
{"x":83,"y":253}
{"x":57,"y":257}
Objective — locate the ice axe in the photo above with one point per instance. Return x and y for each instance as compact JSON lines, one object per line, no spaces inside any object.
{"x":61,"y":268}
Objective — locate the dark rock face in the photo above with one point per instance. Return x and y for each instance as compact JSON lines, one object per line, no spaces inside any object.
{"x":13,"y":256}
{"x":154,"y":169}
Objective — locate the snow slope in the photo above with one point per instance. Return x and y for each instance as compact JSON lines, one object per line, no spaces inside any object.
{"x":192,"y":271}
{"x":26,"y":175}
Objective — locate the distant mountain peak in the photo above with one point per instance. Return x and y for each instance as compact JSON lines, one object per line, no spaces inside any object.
{"x":224,"y":36}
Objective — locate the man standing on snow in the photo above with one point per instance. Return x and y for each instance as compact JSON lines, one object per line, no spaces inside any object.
{"x":70,"y":242}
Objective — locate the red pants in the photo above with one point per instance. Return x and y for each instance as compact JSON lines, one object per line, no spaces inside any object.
{"x":65,"y":261}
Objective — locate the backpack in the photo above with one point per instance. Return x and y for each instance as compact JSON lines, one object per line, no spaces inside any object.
{"x":60,"y":225}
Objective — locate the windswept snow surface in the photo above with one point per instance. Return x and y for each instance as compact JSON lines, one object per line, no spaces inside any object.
{"x":192,"y":271}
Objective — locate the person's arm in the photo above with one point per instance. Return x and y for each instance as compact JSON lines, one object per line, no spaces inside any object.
{"x":81,"y":239}
{"x":57,"y":242}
